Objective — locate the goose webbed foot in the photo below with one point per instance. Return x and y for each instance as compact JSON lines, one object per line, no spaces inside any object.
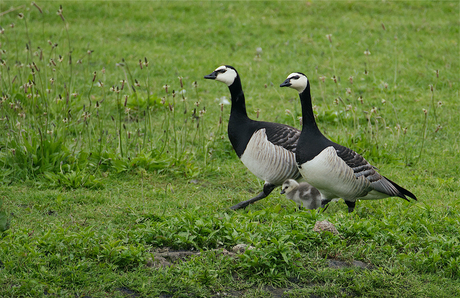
{"x":351,"y":206}
{"x":268,"y":188}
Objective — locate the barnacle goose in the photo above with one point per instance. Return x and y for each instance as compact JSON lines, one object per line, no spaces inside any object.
{"x":302,"y":193}
{"x":265,"y":148}
{"x":336,"y":171}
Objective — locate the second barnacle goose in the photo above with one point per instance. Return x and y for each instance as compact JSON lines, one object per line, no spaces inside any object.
{"x":336,"y":171}
{"x":265,"y":148}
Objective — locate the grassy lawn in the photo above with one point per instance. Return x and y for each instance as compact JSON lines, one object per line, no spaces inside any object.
{"x":113,"y":148}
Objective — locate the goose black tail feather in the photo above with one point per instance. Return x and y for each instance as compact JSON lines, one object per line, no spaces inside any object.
{"x":403,"y":192}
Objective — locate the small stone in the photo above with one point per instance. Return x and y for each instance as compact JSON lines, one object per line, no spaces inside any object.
{"x":325,"y":226}
{"x":241,"y":248}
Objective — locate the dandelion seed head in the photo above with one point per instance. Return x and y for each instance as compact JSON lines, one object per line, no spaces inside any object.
{"x":222,"y":100}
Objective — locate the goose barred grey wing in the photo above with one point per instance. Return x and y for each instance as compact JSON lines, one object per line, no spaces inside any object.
{"x":360,"y":166}
{"x":283,"y":135}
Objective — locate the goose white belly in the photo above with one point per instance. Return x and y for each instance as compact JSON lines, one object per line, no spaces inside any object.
{"x":334,"y":178}
{"x":267,"y":161}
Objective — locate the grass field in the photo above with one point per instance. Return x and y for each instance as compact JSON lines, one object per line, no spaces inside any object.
{"x":113,"y":148}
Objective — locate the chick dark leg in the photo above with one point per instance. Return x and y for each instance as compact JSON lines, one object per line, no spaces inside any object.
{"x":268,"y":188}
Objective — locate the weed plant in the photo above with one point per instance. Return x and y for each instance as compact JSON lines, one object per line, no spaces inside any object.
{"x":56,"y":126}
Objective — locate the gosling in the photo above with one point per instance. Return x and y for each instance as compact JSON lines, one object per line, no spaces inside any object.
{"x":303,"y":194}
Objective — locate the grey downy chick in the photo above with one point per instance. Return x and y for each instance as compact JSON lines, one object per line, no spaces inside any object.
{"x":302,"y":193}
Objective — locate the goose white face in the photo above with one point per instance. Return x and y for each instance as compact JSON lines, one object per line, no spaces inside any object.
{"x":297,"y":81}
{"x":225,"y":75}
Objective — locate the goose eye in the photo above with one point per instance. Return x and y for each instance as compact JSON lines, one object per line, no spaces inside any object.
{"x":221,"y":70}
{"x":295,"y":77}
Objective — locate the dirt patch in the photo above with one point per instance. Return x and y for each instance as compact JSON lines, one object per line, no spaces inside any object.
{"x":165,"y":257}
{"x":337,"y":264}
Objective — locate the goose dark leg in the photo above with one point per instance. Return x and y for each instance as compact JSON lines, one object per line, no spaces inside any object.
{"x":351,"y":206}
{"x":324,"y":203}
{"x":268,"y":188}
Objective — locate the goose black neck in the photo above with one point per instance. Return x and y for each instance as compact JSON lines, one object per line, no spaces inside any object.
{"x":308,"y":117}
{"x":238,"y":101}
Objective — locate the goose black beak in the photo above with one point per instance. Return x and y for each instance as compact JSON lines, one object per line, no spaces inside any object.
{"x":211,"y":76}
{"x":286,"y":83}
{"x":282,"y":191}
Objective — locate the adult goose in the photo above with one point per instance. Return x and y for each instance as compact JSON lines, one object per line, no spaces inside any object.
{"x":336,"y":171}
{"x":265,"y":148}
{"x":302,"y":193}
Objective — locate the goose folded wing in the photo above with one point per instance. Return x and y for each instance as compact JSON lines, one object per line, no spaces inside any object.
{"x":283,"y":135}
{"x":358,"y":164}
{"x":361,"y":167}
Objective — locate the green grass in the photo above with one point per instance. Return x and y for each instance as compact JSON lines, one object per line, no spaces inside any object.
{"x":94,"y":181}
